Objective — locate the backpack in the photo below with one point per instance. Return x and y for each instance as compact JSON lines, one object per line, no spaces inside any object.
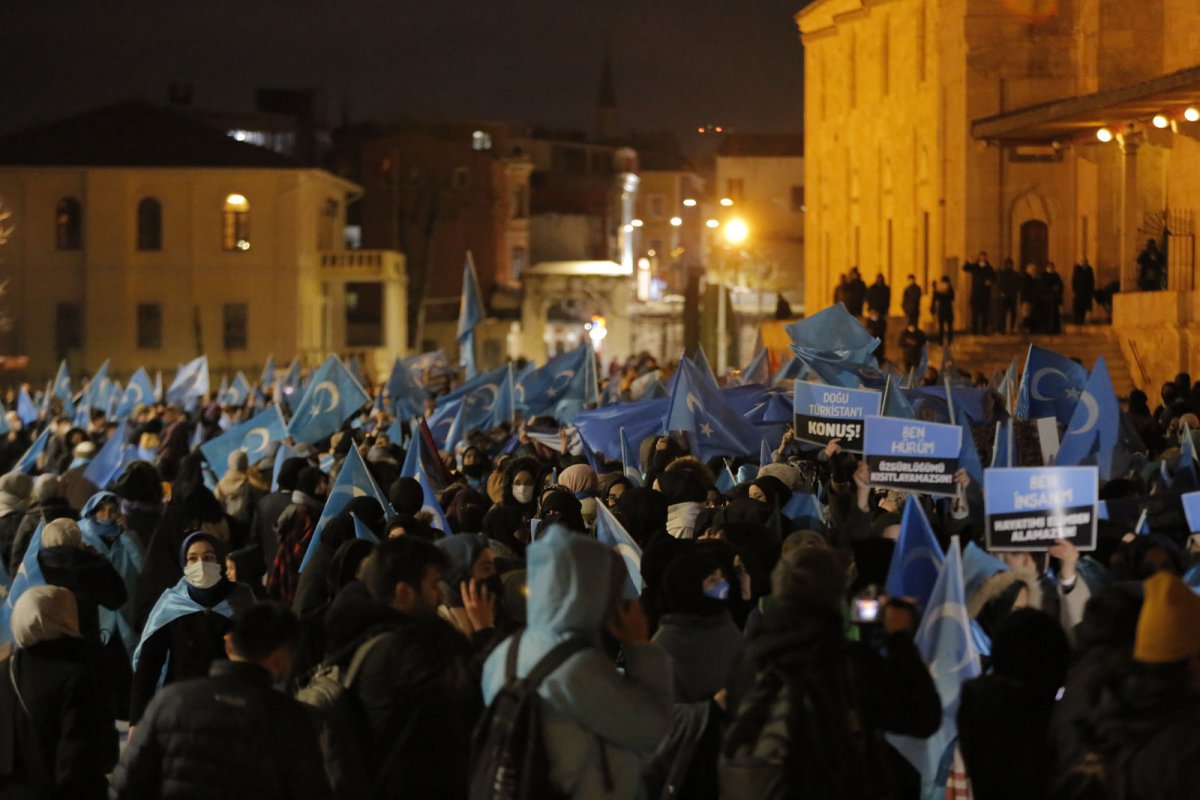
{"x":791,"y":737}
{"x":340,"y":721}
{"x":509,"y":759}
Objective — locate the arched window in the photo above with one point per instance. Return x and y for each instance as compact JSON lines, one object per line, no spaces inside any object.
{"x":149,"y":224}
{"x":68,"y":224}
{"x":235,"y":223}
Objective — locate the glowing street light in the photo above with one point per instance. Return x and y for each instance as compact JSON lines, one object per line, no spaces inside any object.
{"x":676,"y":222}
{"x":1192,"y":114}
{"x":637,"y":223}
{"x":1104,"y":135}
{"x":736,"y":231}
{"x":690,"y":202}
{"x":727,"y":202}
{"x":712,"y":223}
{"x":1160,"y":121}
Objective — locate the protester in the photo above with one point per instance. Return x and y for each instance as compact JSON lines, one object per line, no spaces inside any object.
{"x":942,"y":307}
{"x":293,"y":532}
{"x":855,"y":293}
{"x":879,"y":296}
{"x":983,"y":279}
{"x":15,"y":489}
{"x":185,"y":630}
{"x":1008,"y":289}
{"x":229,"y":734}
{"x":598,"y":721}
{"x":1083,"y":290}
{"x":61,"y":738}
{"x":911,"y":301}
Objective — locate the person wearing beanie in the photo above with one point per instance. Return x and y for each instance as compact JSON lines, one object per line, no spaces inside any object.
{"x":293,"y":532}
{"x":272,"y":505}
{"x":1147,"y":727}
{"x":141,"y":495}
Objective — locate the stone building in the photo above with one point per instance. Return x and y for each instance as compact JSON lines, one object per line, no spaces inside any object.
{"x":143,"y":235}
{"x":1041,"y":130}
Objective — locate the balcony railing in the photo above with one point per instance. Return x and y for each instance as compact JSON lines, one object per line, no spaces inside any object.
{"x":363,"y":264}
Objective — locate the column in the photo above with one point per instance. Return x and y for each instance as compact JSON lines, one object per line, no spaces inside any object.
{"x":395,"y":318}
{"x":1131,"y":211}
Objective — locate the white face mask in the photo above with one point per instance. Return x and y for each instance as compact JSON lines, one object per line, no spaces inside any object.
{"x":523,"y":494}
{"x":202,"y":574}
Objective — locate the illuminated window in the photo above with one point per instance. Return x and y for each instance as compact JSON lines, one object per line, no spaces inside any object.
{"x":149,"y":326}
{"x":68,"y":224}
{"x":149,"y":224}
{"x":481,"y":140}
{"x":235,"y":223}
{"x":235,"y":318}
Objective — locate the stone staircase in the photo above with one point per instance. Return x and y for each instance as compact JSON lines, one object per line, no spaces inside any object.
{"x":1087,"y":343}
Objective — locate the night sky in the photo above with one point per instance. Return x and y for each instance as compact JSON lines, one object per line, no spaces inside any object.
{"x":677,"y":63}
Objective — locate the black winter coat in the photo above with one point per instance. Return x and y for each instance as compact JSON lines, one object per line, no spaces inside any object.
{"x":68,"y":742}
{"x":1003,"y":723}
{"x":266,"y":514}
{"x":9,"y":525}
{"x":892,"y":692}
{"x":89,"y":577}
{"x":420,"y":691}
{"x":229,"y":735}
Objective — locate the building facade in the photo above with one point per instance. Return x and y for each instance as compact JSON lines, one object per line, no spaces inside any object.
{"x":936,"y":130}
{"x":142,"y":236}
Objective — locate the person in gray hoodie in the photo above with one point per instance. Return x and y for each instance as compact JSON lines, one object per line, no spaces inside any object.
{"x":599,"y":721}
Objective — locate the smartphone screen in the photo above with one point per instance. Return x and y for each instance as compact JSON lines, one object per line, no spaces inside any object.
{"x":865,"y":611}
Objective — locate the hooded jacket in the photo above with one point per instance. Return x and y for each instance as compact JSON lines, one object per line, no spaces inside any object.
{"x":588,"y":704}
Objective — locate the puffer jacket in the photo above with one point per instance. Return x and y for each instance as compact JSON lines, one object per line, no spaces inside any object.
{"x":229,"y":735}
{"x":588,"y":703}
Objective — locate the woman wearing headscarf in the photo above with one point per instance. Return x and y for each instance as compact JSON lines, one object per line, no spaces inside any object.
{"x":237,"y":496}
{"x":582,"y":481}
{"x":65,"y":561}
{"x":14,"y":500}
{"x":54,"y":703}
{"x":507,"y":522}
{"x":141,"y":495}
{"x":102,"y":527}
{"x":185,"y":631}
{"x":467,"y":510}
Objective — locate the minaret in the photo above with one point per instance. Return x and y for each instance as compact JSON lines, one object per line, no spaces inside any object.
{"x":606,"y":105}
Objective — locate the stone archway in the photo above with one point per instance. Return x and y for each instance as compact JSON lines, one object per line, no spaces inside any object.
{"x":593,"y":287}
{"x":1029,"y":222}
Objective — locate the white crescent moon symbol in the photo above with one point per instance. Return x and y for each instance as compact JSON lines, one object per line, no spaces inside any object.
{"x":693,"y":402}
{"x":494,"y":390}
{"x":1037,"y":377}
{"x":1093,"y":413}
{"x":519,"y":389}
{"x":334,"y":397}
{"x":263,"y":435}
{"x":920,"y":553}
{"x":951,"y":612}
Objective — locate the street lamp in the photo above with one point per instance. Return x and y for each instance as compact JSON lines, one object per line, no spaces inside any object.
{"x":736,"y":231}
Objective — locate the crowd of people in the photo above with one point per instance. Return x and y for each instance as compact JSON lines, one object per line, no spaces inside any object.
{"x":259,"y":647}
{"x":1006,"y":300}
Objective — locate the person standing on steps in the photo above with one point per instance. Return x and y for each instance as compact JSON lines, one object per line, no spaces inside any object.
{"x":983,"y":279}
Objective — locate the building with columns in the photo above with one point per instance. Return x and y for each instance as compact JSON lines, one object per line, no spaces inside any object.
{"x":142,"y":235}
{"x":1041,"y":130}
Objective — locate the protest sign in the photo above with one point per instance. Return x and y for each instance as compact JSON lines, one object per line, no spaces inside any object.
{"x":824,"y":412}
{"x":1030,"y":508}
{"x":912,"y":456}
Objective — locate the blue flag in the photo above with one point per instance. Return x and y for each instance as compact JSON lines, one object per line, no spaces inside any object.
{"x":355,"y":368}
{"x":1187,"y":454}
{"x":725,"y":479}
{"x":237,"y":393}
{"x":947,"y":647}
{"x":191,"y":382}
{"x":610,"y":532}
{"x":28,"y":574}
{"x":917,"y":558}
{"x":28,"y":462}
{"x":1050,"y":386}
{"x":255,"y":436}
{"x":62,"y":389}
{"x":407,"y":396}
{"x":836,"y":369}
{"x":26,"y":410}
{"x":705,"y":369}
{"x":805,"y":511}
{"x":758,"y":370}
{"x":428,"y":366}
{"x":1094,"y":430}
{"x":834,"y":329}
{"x":565,"y":376}
{"x":978,"y":566}
{"x":292,"y":386}
{"x":968,"y":455}
{"x":138,"y":392}
{"x":764,"y":454}
{"x":470,"y":314}
{"x":484,"y":407}
{"x":491,"y":378}
{"x":601,"y":427}
{"x":98,"y":388}
{"x":895,"y":404}
{"x":108,"y":462}
{"x":268,"y":373}
{"x":431,"y":505}
{"x":1002,"y":445}
{"x":714,"y":427}
{"x":332,"y":397}
{"x":354,"y":480}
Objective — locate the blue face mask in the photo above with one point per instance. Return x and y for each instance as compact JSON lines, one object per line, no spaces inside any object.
{"x":718,"y":591}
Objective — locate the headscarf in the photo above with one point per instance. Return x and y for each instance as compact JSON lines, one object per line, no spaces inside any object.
{"x":202,"y":536}
{"x":233,"y":483}
{"x":406,"y":496}
{"x":44,"y":613}
{"x":643,"y":512}
{"x":62,"y":532}
{"x":561,"y":506}
{"x":289,"y":472}
{"x":139,"y":485}
{"x":580,"y":480}
{"x":466,"y":511}
{"x":220,"y":590}
{"x":679,"y":487}
{"x":45,"y":487}
{"x":776,"y":491}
